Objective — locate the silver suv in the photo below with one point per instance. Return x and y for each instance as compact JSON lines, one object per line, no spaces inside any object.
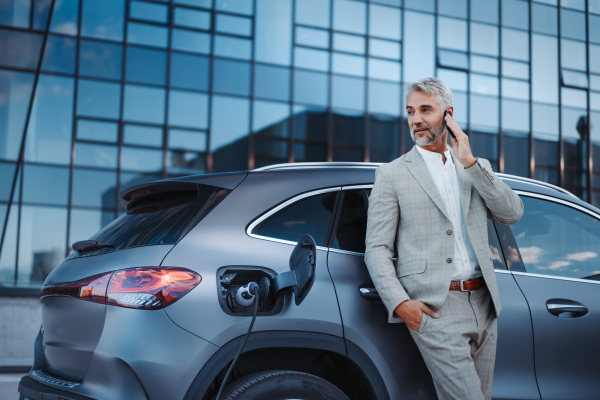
{"x":158,"y":304}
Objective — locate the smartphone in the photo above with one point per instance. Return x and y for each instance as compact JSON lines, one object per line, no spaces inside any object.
{"x":449,"y":130}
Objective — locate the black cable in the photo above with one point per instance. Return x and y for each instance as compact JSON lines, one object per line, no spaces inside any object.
{"x":255,"y":293}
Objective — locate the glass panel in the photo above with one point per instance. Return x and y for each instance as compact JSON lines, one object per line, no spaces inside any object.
{"x":556,"y":240}
{"x":349,"y":43}
{"x":575,"y":4}
{"x":229,"y":136}
{"x":460,"y":108}
{"x":187,"y":140}
{"x":85,"y":223}
{"x":515,"y":14}
{"x":307,"y":216}
{"x":8,"y":257}
{"x":273,"y":41}
{"x":384,"y":48}
{"x":196,"y":3}
{"x":345,"y":153}
{"x":515,"y":69}
{"x":572,"y":55}
{"x":233,"y":47}
{"x":384,"y":98}
{"x":95,"y":155}
{"x":65,"y":17}
{"x":94,"y":188}
{"x":595,"y":82}
{"x":574,"y":79}
{"x":349,"y":16}
{"x":146,"y":66}
{"x":418,"y":41}
{"x":144,"y":104}
{"x":572,"y":24}
{"x":195,"y":42}
{"x":384,"y":139}
{"x":311,"y":124}
{"x":574,"y":130}
{"x":351,"y":227}
{"x":348,"y":93}
{"x":313,"y":12}
{"x":594,"y":58}
{"x":188,"y":109}
{"x":515,"y":118}
{"x":484,"y":113}
{"x":544,"y":19}
{"x":235,"y":6}
{"x":594,"y":28}
{"x":423,"y":5}
{"x":452,"y":33}
{"x":456,"y":80}
{"x":183,"y":162}
{"x":40,"y":10}
{"x":312,"y":37}
{"x":59,"y":55}
{"x":98,"y":99}
{"x":485,"y":11}
{"x":594,"y":6}
{"x":235,"y":25}
{"x":231,"y":77}
{"x":515,"y":44}
{"x":7,"y":175}
{"x":544,"y":79}
{"x":45,"y":185}
{"x":311,"y":59}
{"x":141,"y":160}
{"x":304,"y":152}
{"x":270,"y":118}
{"x":42,"y":242}
{"x":349,"y":129}
{"x":97,"y":131}
{"x":516,"y":154}
{"x":103,"y":19}
{"x":191,"y":18}
{"x":384,"y":22}
{"x":101,"y":60}
{"x":311,"y":88}
{"x":15,"y":13}
{"x":484,"y":39}
{"x":347,"y":64}
{"x":271,"y":82}
{"x":487,"y":65}
{"x":15,"y":89}
{"x":453,"y":8}
{"x":149,"y":35}
{"x":143,"y":135}
{"x":189,"y":71}
{"x":453,"y":59}
{"x":545,"y":132}
{"x":148,"y":11}
{"x":51,"y":123}
{"x":20,"y":49}
{"x":483,"y":84}
{"x":385,"y":70}
{"x":515,"y":89}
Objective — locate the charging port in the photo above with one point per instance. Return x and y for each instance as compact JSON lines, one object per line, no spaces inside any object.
{"x":231,"y":278}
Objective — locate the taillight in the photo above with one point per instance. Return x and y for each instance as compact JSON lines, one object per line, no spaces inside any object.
{"x":148,"y":288}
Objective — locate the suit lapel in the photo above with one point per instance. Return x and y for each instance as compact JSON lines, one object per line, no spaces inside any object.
{"x":465,"y":185}
{"x":417,"y":167}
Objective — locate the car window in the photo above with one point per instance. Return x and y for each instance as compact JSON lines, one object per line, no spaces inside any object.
{"x":352,"y":223}
{"x":311,"y":215}
{"x":558,"y":240}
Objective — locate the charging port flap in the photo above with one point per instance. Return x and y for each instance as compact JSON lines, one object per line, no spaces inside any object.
{"x":301,"y":276}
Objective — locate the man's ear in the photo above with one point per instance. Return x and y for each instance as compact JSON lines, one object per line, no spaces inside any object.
{"x":450,"y":110}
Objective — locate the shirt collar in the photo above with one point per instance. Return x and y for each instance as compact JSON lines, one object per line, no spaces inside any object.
{"x":434,"y":156}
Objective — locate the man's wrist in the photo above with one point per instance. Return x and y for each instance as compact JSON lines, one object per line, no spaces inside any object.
{"x":470,"y":164}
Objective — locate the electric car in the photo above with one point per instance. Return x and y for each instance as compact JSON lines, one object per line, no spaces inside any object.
{"x":206,"y":270}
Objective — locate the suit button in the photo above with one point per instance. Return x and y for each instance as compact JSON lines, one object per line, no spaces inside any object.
{"x":448,"y":260}
{"x":449,"y":231}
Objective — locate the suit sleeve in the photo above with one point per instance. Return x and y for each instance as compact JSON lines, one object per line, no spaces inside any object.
{"x":382,"y":225}
{"x":504,"y":205}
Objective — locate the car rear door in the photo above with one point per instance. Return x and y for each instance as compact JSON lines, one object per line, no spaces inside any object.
{"x":557,"y":266}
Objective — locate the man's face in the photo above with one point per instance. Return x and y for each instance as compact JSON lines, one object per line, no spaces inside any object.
{"x":425,"y":118}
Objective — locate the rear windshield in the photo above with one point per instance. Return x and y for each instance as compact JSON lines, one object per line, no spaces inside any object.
{"x":161,"y":219}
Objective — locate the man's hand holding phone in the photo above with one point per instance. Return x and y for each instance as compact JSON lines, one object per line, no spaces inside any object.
{"x":460,"y":142}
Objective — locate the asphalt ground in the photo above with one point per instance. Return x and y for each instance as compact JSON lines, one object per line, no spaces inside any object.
{"x":9,"y":382}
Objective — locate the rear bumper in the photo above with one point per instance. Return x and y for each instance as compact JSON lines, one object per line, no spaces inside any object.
{"x":33,"y":390}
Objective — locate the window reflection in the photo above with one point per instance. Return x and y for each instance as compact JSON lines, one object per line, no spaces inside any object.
{"x":423,"y":5}
{"x":146,"y":34}
{"x":515,"y":44}
{"x":146,"y":66}
{"x":65,"y":17}
{"x":235,"y":25}
{"x":515,"y":69}
{"x":384,"y":139}
{"x":189,"y":71}
{"x":231,"y":47}
{"x":452,"y":33}
{"x":15,"y":89}
{"x":231,"y":77}
{"x":512,"y":88}
{"x":572,"y":54}
{"x":544,"y":19}
{"x":312,"y":12}
{"x":191,"y":18}
{"x":101,"y":60}
{"x":94,"y":188}
{"x":349,"y":16}
{"x":235,"y":6}
{"x":103,"y":19}
{"x":311,"y":59}
{"x":384,"y":22}
{"x":272,"y":41}
{"x":348,"y":93}
{"x":515,"y":14}
{"x":144,"y":104}
{"x":148,"y":11}
{"x":271,"y":82}
{"x":312,"y":37}
{"x":195,"y":42}
{"x":44,"y":184}
{"x":311,"y":124}
{"x":188,"y":109}
{"x":94,"y":155}
{"x":142,"y":135}
{"x":349,"y":43}
{"x":59,"y":55}
{"x":572,"y":24}
{"x":484,"y":39}
{"x":484,"y":113}
{"x":484,"y":11}
{"x":20,"y":49}
{"x":348,"y":64}
{"x":141,"y":160}
{"x":85,"y":223}
{"x":384,"y":70}
{"x":487,"y":65}
{"x":187,"y":140}
{"x":384,"y":49}
{"x":97,"y":131}
{"x":544,"y":69}
{"x":310,"y":88}
{"x":98,"y":99}
{"x":384,"y":98}
{"x":229,"y":136}
{"x":270,"y":118}
{"x":453,"y":8}
{"x":15,"y":13}
{"x":421,"y":42}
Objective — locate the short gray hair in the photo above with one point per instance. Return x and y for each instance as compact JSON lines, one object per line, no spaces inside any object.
{"x":433,"y":86}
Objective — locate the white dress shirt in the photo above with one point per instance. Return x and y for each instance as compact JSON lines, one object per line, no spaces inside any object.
{"x":446,"y":181}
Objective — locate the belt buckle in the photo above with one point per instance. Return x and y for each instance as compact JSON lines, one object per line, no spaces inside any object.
{"x":462,"y":286}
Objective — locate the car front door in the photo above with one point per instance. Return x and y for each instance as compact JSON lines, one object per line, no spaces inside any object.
{"x":559,"y":251}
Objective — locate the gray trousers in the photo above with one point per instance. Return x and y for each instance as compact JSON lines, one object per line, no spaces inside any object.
{"x":459,"y":347}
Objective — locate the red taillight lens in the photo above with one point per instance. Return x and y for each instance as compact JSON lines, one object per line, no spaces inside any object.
{"x":148,"y":288}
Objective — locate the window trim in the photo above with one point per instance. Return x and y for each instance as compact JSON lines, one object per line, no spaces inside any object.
{"x":283,"y":205}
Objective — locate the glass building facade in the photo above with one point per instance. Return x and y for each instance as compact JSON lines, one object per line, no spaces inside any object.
{"x":96,"y":96}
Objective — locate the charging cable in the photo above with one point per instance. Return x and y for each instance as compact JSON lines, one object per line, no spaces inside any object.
{"x":245,"y":296}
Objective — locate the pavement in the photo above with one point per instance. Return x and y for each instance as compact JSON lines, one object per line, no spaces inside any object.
{"x":9,"y":382}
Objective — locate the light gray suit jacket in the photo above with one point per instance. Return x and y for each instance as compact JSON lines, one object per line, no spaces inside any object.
{"x":406,"y":210}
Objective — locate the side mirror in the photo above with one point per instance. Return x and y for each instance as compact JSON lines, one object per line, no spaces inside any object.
{"x":300,"y":279}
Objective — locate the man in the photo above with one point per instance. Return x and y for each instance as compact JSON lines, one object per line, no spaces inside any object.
{"x":432,"y":204}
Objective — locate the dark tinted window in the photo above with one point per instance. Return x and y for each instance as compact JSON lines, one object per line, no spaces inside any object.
{"x":307,"y":216}
{"x":558,"y":240}
{"x":352,"y":223}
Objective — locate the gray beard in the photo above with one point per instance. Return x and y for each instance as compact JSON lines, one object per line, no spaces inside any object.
{"x":433,"y":136}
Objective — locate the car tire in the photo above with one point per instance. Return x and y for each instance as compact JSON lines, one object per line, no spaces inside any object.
{"x":282,"y":385}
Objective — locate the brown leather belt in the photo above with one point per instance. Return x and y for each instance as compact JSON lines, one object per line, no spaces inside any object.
{"x":465,"y":286}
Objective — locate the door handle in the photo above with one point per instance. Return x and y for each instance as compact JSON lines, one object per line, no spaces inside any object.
{"x":370,"y":294}
{"x":564,"y":308}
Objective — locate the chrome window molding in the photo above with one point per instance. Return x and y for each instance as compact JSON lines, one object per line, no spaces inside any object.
{"x":560,"y":201}
{"x":506,"y":177}
{"x":554,"y":277}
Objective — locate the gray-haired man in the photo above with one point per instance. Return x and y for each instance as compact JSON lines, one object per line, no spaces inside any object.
{"x":432,"y":204}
